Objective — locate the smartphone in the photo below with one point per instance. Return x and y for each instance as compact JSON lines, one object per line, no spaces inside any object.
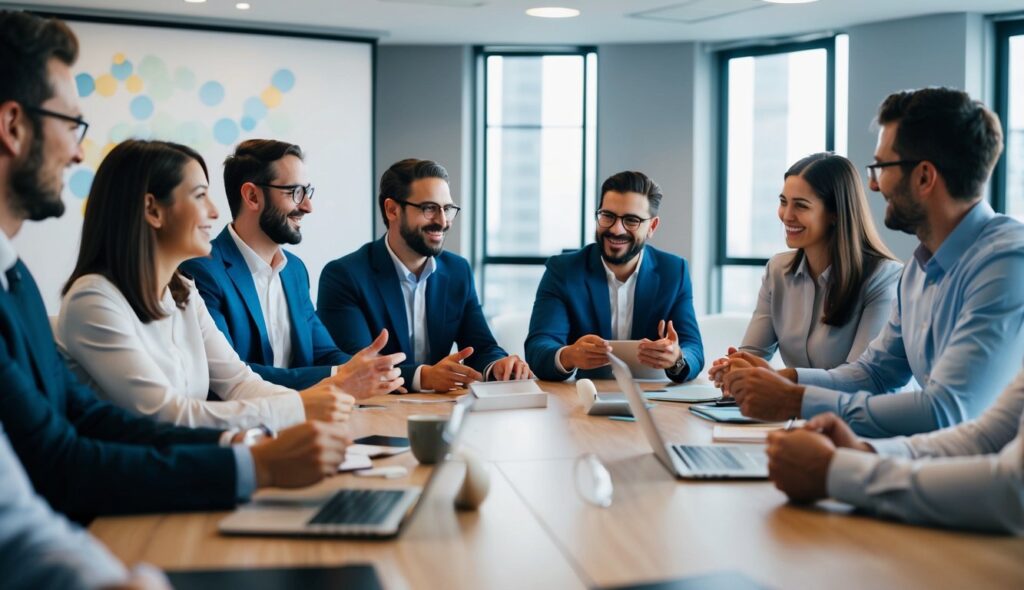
{"x":383,"y":441}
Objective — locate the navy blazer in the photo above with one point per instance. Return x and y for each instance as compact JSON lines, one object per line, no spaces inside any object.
{"x":573,"y":301}
{"x":360,"y":295}
{"x":227,"y":287}
{"x":88,"y":457}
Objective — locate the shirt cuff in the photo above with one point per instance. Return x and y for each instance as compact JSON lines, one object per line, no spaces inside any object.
{"x":334,"y":370}
{"x":487,"y":370}
{"x":558,"y":365}
{"x":898,"y":446}
{"x":818,"y":400}
{"x":416,"y":380}
{"x":226,"y":436}
{"x":245,"y":473}
{"x":848,"y":476}
{"x":818,"y":377}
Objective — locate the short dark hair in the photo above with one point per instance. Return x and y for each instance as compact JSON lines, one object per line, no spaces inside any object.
{"x":634,"y":182}
{"x":27,"y":43}
{"x":116,"y":240}
{"x":396,"y":180}
{"x":253,"y":161}
{"x":944,"y":126}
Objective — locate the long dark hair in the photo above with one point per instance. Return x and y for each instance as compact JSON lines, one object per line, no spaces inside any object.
{"x":855,"y":248}
{"x":116,"y":240}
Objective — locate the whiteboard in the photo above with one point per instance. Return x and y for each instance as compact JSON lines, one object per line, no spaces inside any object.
{"x":211,"y":90}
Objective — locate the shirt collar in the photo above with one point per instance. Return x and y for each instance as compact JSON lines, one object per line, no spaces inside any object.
{"x":8,"y":255}
{"x":803,"y":270}
{"x":963,"y":236}
{"x":613,"y":280}
{"x":403,"y":271}
{"x":254,"y":261}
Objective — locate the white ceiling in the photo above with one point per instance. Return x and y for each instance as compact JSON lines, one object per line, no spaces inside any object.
{"x":505,"y":21}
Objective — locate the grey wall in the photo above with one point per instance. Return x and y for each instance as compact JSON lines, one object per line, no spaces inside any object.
{"x":942,"y":50}
{"x":424,"y":110}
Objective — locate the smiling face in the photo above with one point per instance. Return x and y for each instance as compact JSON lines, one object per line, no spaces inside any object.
{"x":902,"y":212}
{"x":281,"y":217}
{"x":807,"y":222}
{"x":620,"y":245}
{"x":187,"y":228}
{"x":425,"y":236}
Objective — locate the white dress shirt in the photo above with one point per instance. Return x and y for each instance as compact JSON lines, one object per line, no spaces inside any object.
{"x":414,"y":291}
{"x":267,"y":278}
{"x":966,"y":476}
{"x":8,"y":258}
{"x":165,"y":368}
{"x":621,"y":295}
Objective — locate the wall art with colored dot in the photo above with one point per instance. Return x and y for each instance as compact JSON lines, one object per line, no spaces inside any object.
{"x":211,"y":90}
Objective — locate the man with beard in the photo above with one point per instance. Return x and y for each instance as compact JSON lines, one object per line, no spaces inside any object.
{"x":405,"y":282}
{"x":258,"y":294}
{"x":956,"y":325}
{"x":618,"y":288}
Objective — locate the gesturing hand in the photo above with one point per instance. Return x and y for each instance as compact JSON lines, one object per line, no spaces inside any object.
{"x":449,"y":373}
{"x":368,"y":373}
{"x":511,"y":368}
{"x":662,"y":353}
{"x":589,"y":352}
{"x":326,"y":402}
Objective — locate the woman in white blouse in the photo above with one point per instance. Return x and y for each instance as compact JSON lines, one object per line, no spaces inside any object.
{"x":137,"y":329}
{"x":822,"y":303}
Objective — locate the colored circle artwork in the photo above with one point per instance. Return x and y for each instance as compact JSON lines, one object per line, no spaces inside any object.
{"x":134,"y":84}
{"x":191,"y":133}
{"x":283,"y":80}
{"x":184,"y":79}
{"x":80,"y":182}
{"x":225,"y":131}
{"x":248,"y":123}
{"x":271,"y":97}
{"x":152,"y":68}
{"x":141,"y":107}
{"x":211,"y":93}
{"x":120,"y":132}
{"x":161,"y":88}
{"x":86,"y":85}
{"x":106,"y":85}
{"x":122,"y":70}
{"x":254,"y":108}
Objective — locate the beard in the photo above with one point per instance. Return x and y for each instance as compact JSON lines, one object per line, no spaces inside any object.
{"x":274,"y":223}
{"x":635,"y":246}
{"x":902,"y":213}
{"x":414,"y":238}
{"x":31,"y":197}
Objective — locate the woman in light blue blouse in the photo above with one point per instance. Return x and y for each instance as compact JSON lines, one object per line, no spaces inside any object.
{"x":822,"y":303}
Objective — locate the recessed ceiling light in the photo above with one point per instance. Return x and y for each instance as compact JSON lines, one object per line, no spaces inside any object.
{"x":243,"y":6}
{"x":790,"y":1}
{"x":553,"y":12}
{"x":195,"y":1}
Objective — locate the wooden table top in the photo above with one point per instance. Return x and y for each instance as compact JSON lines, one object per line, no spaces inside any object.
{"x":535,"y":530}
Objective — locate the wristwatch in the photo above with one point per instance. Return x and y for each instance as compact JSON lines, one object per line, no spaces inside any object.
{"x":679,"y":366}
{"x":257,"y":434}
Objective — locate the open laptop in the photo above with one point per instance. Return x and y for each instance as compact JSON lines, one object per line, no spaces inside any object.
{"x":345,"y":513}
{"x":689,"y":461}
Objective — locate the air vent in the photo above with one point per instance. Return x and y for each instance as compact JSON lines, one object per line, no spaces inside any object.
{"x":699,"y":11}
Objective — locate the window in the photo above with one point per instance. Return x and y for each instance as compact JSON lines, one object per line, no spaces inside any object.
{"x":1008,"y":181}
{"x":537,"y":131}
{"x":778,"y":104}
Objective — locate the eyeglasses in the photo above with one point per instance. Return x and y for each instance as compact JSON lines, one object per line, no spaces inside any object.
{"x":608,"y":219}
{"x":874,"y":168}
{"x":80,"y":125}
{"x":430,"y":210}
{"x":298,"y":192}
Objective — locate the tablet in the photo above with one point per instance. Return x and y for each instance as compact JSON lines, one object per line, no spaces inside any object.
{"x":690,"y":393}
{"x":627,"y":351}
{"x":729,"y":414}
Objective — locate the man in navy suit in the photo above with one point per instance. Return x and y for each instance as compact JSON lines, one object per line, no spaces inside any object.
{"x":407,"y":283}
{"x":86,"y":456}
{"x":258,"y":294}
{"x":617,"y":288}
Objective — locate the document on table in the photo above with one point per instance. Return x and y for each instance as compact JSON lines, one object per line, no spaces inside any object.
{"x":756,"y":433}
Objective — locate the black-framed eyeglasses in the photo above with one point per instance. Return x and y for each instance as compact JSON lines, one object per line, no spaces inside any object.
{"x":608,"y":219}
{"x":80,"y":125}
{"x":874,"y":168}
{"x":298,"y":192}
{"x":430,"y":210}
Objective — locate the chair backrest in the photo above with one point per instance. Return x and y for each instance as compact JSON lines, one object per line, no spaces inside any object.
{"x":722,"y":330}
{"x":510,"y":330}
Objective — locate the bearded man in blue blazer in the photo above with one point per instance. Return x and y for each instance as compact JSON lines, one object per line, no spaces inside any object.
{"x":618,"y":288}
{"x":258,"y":293}
{"x":406,"y":283}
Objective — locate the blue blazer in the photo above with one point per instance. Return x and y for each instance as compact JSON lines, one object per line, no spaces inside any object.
{"x":360,"y":295}
{"x":224,"y":281}
{"x":572,"y":301}
{"x":88,"y":457}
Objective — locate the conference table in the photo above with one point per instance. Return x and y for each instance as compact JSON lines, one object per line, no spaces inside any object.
{"x":535,"y":530}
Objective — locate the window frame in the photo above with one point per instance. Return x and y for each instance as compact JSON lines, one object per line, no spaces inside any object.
{"x":1003,"y":31}
{"x":722,"y":258}
{"x":479,"y":236}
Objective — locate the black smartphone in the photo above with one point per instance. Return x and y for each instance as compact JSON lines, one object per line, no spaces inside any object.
{"x":383,"y":441}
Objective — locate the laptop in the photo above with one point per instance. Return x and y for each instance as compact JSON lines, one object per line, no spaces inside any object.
{"x":689,"y":461}
{"x":349,"y":512}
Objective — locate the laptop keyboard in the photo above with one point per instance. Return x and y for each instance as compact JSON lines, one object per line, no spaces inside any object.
{"x":358,"y":507}
{"x":706,"y":458}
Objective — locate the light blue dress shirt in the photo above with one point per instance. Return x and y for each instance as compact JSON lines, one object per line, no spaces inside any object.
{"x":39,"y":548}
{"x":956,"y":327}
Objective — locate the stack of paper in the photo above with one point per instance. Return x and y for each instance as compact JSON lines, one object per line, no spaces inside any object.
{"x":757,"y":433}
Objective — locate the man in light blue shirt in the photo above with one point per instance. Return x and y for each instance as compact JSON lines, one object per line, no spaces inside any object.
{"x":956,"y":325}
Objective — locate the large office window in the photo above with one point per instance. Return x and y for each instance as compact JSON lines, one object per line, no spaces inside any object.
{"x":778,"y":104}
{"x":537,"y":155}
{"x":1008,"y":184}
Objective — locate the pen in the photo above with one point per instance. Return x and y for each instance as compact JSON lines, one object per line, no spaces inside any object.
{"x":789,"y":424}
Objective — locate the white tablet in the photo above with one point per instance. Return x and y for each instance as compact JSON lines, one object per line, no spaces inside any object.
{"x":627,"y":351}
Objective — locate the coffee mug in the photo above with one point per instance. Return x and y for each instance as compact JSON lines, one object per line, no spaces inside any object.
{"x":426,"y":437}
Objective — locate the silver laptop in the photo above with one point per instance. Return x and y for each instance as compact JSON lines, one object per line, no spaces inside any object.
{"x":348,"y":512}
{"x":689,"y":461}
